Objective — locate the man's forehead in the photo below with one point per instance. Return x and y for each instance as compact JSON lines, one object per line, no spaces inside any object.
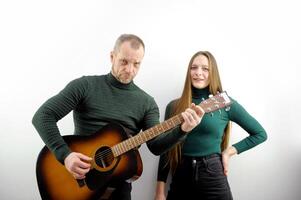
{"x":131,"y":54}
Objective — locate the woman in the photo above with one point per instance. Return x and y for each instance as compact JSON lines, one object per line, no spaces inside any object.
{"x":199,"y":164}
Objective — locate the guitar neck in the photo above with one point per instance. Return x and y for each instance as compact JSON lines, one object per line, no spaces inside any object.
{"x":211,"y":104}
{"x":146,"y":135}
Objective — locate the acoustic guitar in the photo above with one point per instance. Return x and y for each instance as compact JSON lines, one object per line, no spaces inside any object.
{"x":114,"y":156}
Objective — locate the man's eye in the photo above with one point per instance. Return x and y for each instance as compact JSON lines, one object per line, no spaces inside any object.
{"x":124,"y":62}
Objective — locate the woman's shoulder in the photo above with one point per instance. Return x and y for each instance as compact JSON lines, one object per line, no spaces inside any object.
{"x":235,"y":105}
{"x":172,"y":103}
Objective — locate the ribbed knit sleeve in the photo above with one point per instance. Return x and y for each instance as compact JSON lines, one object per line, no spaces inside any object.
{"x":256,"y":132}
{"x":46,"y":118}
{"x":163,"y":168}
{"x":168,"y":139}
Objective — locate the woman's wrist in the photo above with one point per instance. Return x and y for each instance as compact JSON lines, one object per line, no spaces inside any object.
{"x":230,"y":151}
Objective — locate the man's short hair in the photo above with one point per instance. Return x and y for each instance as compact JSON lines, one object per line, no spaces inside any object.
{"x":134,"y":40}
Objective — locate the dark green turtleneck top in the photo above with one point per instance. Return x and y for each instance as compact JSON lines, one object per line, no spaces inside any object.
{"x":206,"y":138}
{"x":96,"y":101}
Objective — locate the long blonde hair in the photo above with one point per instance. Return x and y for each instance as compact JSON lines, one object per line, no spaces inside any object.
{"x":215,"y":86}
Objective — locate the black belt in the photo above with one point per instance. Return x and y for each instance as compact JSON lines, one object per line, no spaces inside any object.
{"x":198,"y":158}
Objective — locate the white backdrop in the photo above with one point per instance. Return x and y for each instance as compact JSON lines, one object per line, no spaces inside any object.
{"x":45,"y":44}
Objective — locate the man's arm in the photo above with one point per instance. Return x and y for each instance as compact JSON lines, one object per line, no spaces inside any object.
{"x":46,"y":118}
{"x":160,"y":144}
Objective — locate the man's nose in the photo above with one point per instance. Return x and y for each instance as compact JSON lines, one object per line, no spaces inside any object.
{"x":129,"y":68}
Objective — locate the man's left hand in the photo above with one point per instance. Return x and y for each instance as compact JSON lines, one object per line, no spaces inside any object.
{"x":192,"y":117}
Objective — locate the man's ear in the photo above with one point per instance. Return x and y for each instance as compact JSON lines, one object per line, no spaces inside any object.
{"x":112,"y":56}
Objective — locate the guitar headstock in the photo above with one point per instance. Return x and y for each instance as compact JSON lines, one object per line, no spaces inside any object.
{"x":216,"y":102}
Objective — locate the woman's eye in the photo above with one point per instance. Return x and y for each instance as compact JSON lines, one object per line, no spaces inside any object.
{"x":206,"y":69}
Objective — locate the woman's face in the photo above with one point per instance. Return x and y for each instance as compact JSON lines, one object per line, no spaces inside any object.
{"x":199,"y":72}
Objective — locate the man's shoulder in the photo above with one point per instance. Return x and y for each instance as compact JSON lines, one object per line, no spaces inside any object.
{"x":91,"y":80}
{"x":93,"y":77}
{"x":143,"y":93}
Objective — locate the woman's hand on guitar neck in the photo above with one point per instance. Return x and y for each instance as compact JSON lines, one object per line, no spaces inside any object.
{"x":192,"y":117}
{"x":77,"y":164}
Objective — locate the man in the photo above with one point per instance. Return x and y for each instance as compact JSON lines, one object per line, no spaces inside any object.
{"x":97,"y":100}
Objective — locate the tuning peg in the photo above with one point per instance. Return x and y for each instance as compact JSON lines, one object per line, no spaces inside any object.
{"x":203,"y":99}
{"x":210,"y":95}
{"x":227,"y":108}
{"x":212,"y":114}
{"x":220,"y":112}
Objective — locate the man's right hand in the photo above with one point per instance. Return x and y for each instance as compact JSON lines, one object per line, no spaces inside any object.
{"x":77,"y":164}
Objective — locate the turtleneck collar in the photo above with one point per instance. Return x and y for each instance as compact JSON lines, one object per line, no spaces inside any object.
{"x":114,"y":82}
{"x":199,"y":93}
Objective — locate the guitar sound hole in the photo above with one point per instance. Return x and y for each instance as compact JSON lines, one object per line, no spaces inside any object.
{"x":104,"y":157}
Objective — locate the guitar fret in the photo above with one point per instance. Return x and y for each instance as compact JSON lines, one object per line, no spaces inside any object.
{"x":139,"y":139}
{"x":174,"y":121}
{"x":123,"y":147}
{"x":161,"y":128}
{"x":177,"y":121}
{"x":155,"y":130}
{"x":143,"y":136}
{"x":165,"y":126}
{"x":116,"y":150}
{"x":129,"y":143}
{"x":145,"y":133}
{"x":149,"y":134}
{"x":170,"y":122}
{"x":152,"y":131}
{"x":119,"y":149}
{"x":136,"y":142}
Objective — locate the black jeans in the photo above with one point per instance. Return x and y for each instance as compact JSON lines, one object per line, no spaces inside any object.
{"x":200,"y":178}
{"x":122,"y":191}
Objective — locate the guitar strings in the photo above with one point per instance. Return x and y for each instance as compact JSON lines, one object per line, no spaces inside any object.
{"x":108,"y":154}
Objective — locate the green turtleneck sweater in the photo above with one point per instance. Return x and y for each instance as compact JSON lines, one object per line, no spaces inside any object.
{"x":96,"y":101}
{"x":206,"y":138}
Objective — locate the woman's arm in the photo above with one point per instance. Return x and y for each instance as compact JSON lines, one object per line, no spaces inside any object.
{"x":160,"y":191}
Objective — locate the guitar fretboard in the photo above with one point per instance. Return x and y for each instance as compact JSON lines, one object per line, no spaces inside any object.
{"x":146,"y":135}
{"x":209,"y":105}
